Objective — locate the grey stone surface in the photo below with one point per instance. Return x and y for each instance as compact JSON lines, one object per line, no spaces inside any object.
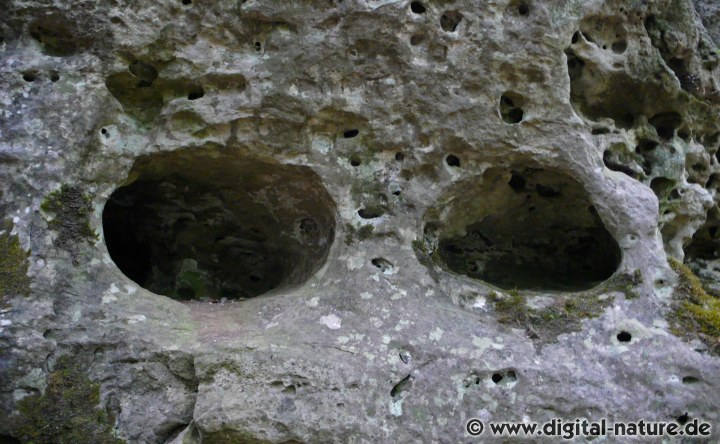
{"x":709,"y":10}
{"x":381,"y":341}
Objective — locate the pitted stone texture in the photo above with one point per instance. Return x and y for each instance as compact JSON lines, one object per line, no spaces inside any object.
{"x":709,"y":10}
{"x":392,"y":109}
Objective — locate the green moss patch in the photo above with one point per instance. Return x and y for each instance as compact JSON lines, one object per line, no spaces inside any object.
{"x":695,"y":313}
{"x":564,"y":315}
{"x":70,"y":210}
{"x":353,"y":234}
{"x":13,"y":265}
{"x":68,"y":412}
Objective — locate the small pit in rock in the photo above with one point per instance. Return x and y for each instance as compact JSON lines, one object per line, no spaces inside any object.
{"x":510,"y":108}
{"x":208,"y":224}
{"x":624,"y":336}
{"x":143,"y":71}
{"x":506,"y":379}
{"x":450,"y":20}
{"x":349,"y":134}
{"x":370,"y":213}
{"x":384,"y":265}
{"x":690,"y":380}
{"x":453,"y":161}
{"x":666,"y":124}
{"x":30,"y":76}
{"x":417,"y":8}
{"x":196,"y":93}
{"x":526,"y":228}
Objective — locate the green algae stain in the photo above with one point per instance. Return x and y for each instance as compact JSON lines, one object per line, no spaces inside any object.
{"x":67,"y":413}
{"x":695,"y":313}
{"x":13,"y":265}
{"x":70,"y":210}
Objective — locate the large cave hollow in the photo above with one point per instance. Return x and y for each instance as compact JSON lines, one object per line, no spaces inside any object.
{"x":524,"y":228}
{"x":209,"y":224}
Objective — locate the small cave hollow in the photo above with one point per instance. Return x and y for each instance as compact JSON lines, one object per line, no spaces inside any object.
{"x":523,"y":228}
{"x":30,"y":75}
{"x":511,"y":108}
{"x":417,"y":8}
{"x":196,"y":92}
{"x":452,"y":161}
{"x":450,"y":20}
{"x":519,"y":7}
{"x":666,"y":124}
{"x":624,"y":336}
{"x":206,"y":224}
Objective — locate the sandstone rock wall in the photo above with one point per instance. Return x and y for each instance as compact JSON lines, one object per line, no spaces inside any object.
{"x":458,"y":209}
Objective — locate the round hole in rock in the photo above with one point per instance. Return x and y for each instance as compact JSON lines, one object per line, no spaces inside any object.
{"x":522,"y":228}
{"x":624,"y":336}
{"x":370,"y":213}
{"x":453,"y":160}
{"x":208,"y":223}
{"x":399,"y":156}
{"x":349,"y":134}
{"x":523,"y":9}
{"x":355,"y":162}
{"x":450,"y":20}
{"x":666,"y":124}
{"x":417,"y":8}
{"x":511,"y":108}
{"x":497,"y":377}
{"x":143,"y":71}
{"x":384,"y":265}
{"x":196,"y":93}
{"x":30,"y":76}
{"x":54,"y":76}
{"x":619,"y":47}
{"x":690,"y":380}
{"x":187,"y":2}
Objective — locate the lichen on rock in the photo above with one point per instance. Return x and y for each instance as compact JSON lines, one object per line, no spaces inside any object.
{"x":14,"y":280}
{"x":696,"y":314}
{"x":68,"y":412}
{"x":69,"y":212}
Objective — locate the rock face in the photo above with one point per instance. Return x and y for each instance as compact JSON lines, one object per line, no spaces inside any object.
{"x":369,"y":220}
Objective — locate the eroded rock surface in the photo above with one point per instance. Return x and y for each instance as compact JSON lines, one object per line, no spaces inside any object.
{"x":306,"y":221}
